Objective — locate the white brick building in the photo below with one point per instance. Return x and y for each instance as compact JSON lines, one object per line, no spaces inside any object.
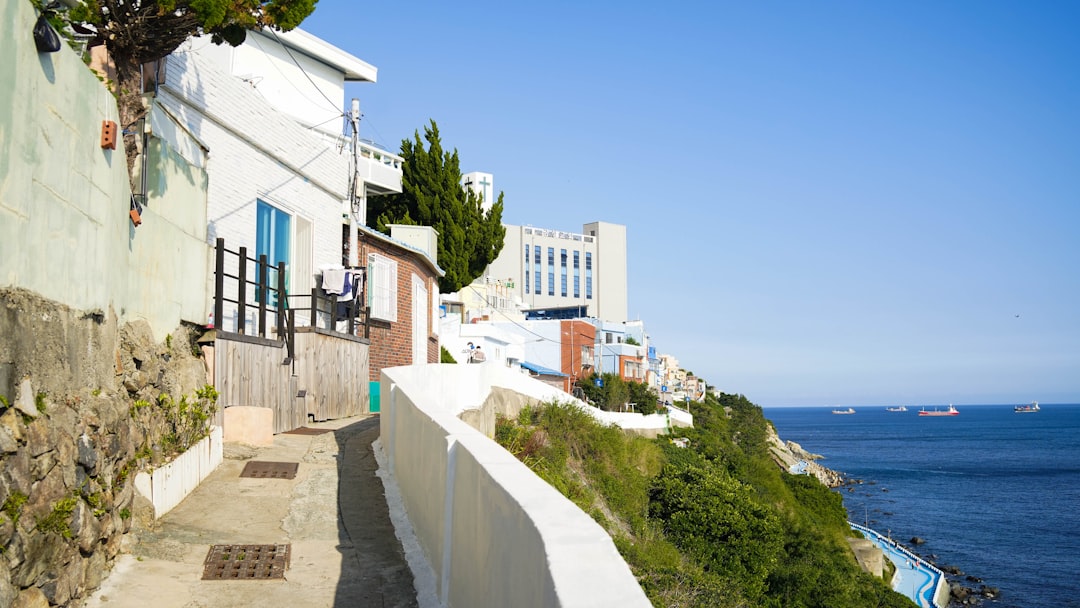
{"x":276,"y":185}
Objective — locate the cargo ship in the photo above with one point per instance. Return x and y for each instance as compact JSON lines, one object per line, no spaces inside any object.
{"x":951,"y":411}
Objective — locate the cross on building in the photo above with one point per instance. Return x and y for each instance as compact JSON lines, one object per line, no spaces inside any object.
{"x":480,"y":183}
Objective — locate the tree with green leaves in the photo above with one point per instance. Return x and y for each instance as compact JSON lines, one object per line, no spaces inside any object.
{"x":613,"y":393}
{"x":643,"y":397}
{"x":136,"y":32}
{"x":432,"y":195}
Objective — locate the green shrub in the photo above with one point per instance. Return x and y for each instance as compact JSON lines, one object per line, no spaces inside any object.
{"x":13,"y":505}
{"x":445,"y":356}
{"x":716,"y":525}
{"x":59,"y":519}
{"x":187,"y":419}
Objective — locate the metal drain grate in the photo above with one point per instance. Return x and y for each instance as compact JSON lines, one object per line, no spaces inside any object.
{"x":246,"y":562}
{"x":260,"y":469}
{"x":305,"y":430}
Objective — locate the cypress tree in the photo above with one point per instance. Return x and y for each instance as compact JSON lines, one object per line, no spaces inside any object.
{"x":432,"y":195}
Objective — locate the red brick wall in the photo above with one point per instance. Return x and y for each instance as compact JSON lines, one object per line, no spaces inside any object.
{"x":391,"y":343}
{"x":574,"y":334}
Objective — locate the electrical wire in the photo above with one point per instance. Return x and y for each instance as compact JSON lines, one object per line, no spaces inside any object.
{"x":304,"y":72}
{"x":377,"y":134}
{"x":316,"y":126}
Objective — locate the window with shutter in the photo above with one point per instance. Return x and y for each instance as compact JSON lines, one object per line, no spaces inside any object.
{"x":382,"y":287}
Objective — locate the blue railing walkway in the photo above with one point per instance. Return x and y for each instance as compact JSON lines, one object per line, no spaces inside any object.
{"x":915,"y":578}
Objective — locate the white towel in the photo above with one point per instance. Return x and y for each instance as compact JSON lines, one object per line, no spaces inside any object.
{"x":333,"y":280}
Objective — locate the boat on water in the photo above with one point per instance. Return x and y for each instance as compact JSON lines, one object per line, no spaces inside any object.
{"x":849,"y":410}
{"x":950,"y":411}
{"x":1027,"y":409}
{"x":899,"y":408}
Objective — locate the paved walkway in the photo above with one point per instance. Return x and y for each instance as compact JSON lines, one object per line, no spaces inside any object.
{"x":334,"y":514}
{"x":915,"y":578}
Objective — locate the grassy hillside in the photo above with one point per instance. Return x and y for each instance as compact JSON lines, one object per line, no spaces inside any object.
{"x":716,"y":524}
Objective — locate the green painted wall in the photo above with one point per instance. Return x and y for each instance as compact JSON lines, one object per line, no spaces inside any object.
{"x":64,"y":227}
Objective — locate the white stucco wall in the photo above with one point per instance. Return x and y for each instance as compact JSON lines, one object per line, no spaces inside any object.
{"x":494,"y":533}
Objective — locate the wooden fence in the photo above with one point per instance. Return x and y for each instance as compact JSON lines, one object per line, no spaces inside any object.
{"x":301,"y":355}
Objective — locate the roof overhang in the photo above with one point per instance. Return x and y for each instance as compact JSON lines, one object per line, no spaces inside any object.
{"x":541,"y":370}
{"x":355,"y":69}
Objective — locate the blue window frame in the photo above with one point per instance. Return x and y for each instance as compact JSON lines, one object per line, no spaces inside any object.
{"x":527,"y":268}
{"x":551,"y":271}
{"x":562,"y":269}
{"x":272,"y":234}
{"x":577,"y":274}
{"x":537,"y":289}
{"x":588,"y":275}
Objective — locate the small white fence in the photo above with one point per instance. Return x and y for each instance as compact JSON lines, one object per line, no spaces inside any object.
{"x":166,"y":486}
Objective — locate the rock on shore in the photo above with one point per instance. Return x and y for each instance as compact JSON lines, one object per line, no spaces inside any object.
{"x":789,"y":454}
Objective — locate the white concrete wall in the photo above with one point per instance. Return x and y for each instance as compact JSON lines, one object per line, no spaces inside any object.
{"x":609,"y":270}
{"x":494,"y":533}
{"x":63,"y":200}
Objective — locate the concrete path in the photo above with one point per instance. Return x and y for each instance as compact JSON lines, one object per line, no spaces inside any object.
{"x":334,"y":514}
{"x":914,"y":578}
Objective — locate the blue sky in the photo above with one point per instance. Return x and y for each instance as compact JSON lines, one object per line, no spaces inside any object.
{"x":826,"y":203}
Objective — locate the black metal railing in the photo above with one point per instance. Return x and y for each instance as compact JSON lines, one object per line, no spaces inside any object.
{"x":327,"y":311}
{"x":277,"y":310}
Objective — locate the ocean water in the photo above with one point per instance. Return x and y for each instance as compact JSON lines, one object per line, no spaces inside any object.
{"x":992,"y":492}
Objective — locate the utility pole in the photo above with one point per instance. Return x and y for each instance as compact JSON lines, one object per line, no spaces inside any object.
{"x":356,"y":197}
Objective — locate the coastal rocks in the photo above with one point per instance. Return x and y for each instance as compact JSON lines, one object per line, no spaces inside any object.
{"x":800,"y":453}
{"x":960,"y":595}
{"x":829,"y":477}
{"x":915,"y":540}
{"x":791,"y":456}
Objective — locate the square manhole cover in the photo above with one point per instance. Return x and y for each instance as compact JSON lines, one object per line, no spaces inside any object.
{"x":261,"y":469}
{"x":305,"y":430}
{"x":246,"y":562}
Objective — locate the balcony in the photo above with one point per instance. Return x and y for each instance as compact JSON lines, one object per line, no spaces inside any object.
{"x":379,"y":170}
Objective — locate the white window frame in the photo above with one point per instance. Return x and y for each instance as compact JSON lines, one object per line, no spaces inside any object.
{"x":419,"y":320}
{"x":435,"y":316}
{"x":382,"y":287}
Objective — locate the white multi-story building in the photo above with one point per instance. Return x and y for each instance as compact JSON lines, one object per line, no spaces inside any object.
{"x":582,"y":274}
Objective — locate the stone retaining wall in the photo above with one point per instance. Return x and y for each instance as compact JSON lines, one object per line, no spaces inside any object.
{"x":71,"y":442}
